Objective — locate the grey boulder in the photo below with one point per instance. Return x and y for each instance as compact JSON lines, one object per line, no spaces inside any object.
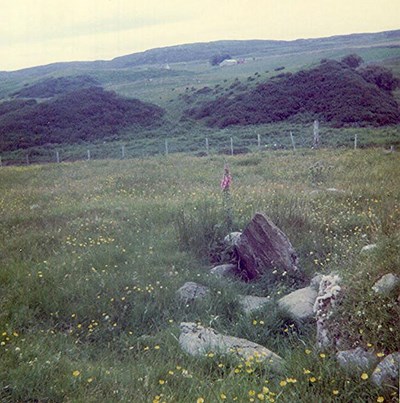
{"x":357,"y":360}
{"x":386,"y":374}
{"x":300,"y":303}
{"x":198,"y":340}
{"x":192,"y":291}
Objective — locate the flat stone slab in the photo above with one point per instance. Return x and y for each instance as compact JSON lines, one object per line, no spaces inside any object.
{"x":357,"y":360}
{"x":198,"y":340}
{"x":251,"y":303}
{"x":192,"y":291}
{"x":300,"y":303}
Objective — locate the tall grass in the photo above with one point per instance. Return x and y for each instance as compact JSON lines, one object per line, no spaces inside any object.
{"x":92,"y":254}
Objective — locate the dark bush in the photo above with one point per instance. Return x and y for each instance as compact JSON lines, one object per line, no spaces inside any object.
{"x":380,"y":76}
{"x":86,"y":114}
{"x":353,"y":60}
{"x":332,"y":92}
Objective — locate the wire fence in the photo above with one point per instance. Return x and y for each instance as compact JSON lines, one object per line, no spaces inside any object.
{"x":143,"y":148}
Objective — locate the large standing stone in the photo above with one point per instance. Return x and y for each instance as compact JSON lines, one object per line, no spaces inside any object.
{"x":198,"y":340}
{"x":357,"y":360}
{"x":325,"y":304}
{"x":191,"y":291}
{"x":263,"y":247}
{"x":300,"y":303}
{"x":386,"y":374}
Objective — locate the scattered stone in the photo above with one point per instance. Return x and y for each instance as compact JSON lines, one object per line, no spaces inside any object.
{"x":251,"y":303}
{"x":232,"y":238}
{"x":368,"y":248}
{"x":328,"y":294}
{"x":334,"y":190}
{"x":34,"y":206}
{"x":262,"y":248}
{"x":386,"y":284}
{"x":316,"y":281}
{"x":191,"y":291}
{"x":225,"y":270}
{"x":198,"y":340}
{"x":357,"y":360}
{"x":386,"y":374}
{"x":300,"y":303}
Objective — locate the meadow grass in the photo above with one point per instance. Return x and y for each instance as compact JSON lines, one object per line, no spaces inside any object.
{"x":92,"y":254}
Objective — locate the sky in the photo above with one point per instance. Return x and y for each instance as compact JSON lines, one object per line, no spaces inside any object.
{"x":37,"y":32}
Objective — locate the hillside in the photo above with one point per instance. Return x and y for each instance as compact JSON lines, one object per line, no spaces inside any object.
{"x":55,"y":86}
{"x":332,"y":92}
{"x":237,"y":48}
{"x":180,"y":78}
{"x":81,"y":115}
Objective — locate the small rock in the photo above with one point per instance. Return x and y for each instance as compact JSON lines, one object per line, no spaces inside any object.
{"x":300,"y":303}
{"x":334,"y":190}
{"x":368,"y":248}
{"x":251,"y":303}
{"x":224,"y":270}
{"x":357,"y":360}
{"x":198,"y":340}
{"x":386,"y":374}
{"x":191,"y":291}
{"x":232,"y":238}
{"x":34,"y":206}
{"x":386,"y":284}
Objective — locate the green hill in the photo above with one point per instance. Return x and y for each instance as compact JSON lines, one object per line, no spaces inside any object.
{"x":332,"y":92}
{"x":83,"y":115}
{"x":55,"y":86}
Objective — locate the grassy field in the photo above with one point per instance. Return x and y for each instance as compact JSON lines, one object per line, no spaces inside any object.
{"x":92,"y":254}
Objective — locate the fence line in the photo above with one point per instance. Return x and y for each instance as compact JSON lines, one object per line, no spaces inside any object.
{"x":227,"y":146}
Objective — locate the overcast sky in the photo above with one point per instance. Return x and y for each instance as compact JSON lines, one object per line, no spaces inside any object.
{"x":36,"y":32}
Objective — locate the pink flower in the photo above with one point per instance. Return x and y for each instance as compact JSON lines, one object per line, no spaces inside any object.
{"x":226,"y":179}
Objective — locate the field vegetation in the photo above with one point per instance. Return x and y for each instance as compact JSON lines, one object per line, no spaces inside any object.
{"x":92,"y":254}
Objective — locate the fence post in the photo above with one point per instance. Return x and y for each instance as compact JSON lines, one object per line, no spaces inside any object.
{"x":292,"y":139}
{"x":259,"y":142}
{"x":88,"y":155}
{"x":27,"y":159}
{"x":355,"y":141}
{"x":166,"y":147}
{"x":316,"y":134}
{"x":231,"y":146}
{"x":123,"y":151}
{"x":207,"y":147}
{"x":57,"y":157}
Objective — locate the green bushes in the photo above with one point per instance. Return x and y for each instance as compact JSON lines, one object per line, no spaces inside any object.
{"x":332,"y":92}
